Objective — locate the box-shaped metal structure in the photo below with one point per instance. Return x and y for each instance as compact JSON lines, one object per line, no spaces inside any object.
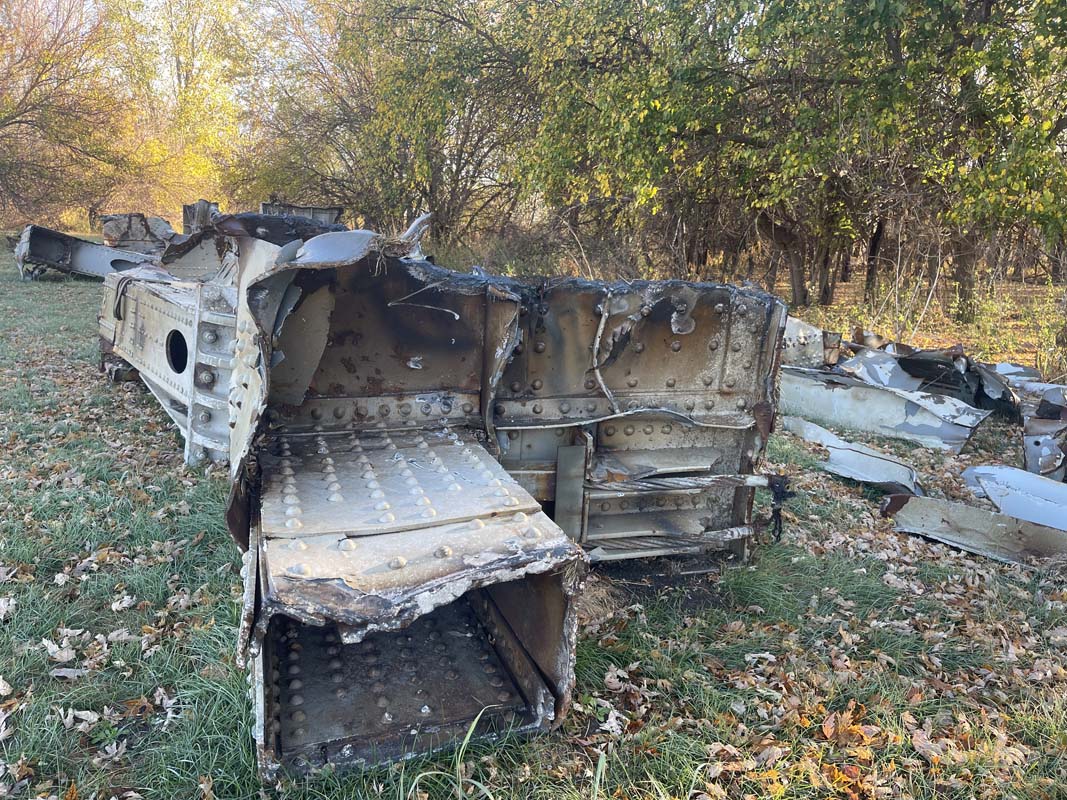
{"x":421,"y":456}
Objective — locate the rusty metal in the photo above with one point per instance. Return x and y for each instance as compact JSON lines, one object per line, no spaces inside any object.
{"x":420,"y":457}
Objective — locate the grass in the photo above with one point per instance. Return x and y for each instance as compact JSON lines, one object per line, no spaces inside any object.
{"x":804,"y":674}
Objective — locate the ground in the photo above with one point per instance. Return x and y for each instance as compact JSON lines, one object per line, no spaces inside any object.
{"x":844,"y":661}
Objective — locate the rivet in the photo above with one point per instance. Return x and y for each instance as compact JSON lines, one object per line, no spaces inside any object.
{"x":666,"y":429}
{"x":605,"y":506}
{"x":538,"y":408}
{"x":564,"y":407}
{"x":503,"y":697}
{"x":444,"y":551}
{"x":295,"y":684}
{"x":670,"y":383}
{"x":293,"y":523}
{"x":499,"y":408}
{"x":676,"y":346}
{"x":405,"y":408}
{"x":296,"y":700}
{"x":426,"y":408}
{"x":293,"y":511}
{"x":424,"y":710}
{"x":531,"y":532}
{"x":709,"y":404}
{"x":388,"y":517}
{"x":747,"y":365}
{"x":511,"y":501}
{"x":628,"y":430}
{"x":205,"y":416}
{"x":383,"y":410}
{"x":720,"y":308}
{"x":590,"y":384}
{"x":736,"y":347}
{"x":207,"y":376}
{"x":316,"y":413}
{"x":383,"y":702}
{"x":338,"y":412}
{"x":646,"y":310}
{"x":639,"y":347}
{"x":708,"y":380}
{"x":210,"y":337}
{"x":539,"y":347}
{"x":609,"y":431}
{"x":516,"y":386}
{"x":648,"y":429}
{"x":335,"y":498}
{"x":468,"y":408}
{"x":713,"y":344}
{"x":632,"y":382}
{"x":346,"y":544}
{"x":537,"y":384}
{"x":590,"y":407}
{"x":689,"y":405}
{"x":741,"y":403}
{"x":520,"y":516}
{"x":299,"y":716}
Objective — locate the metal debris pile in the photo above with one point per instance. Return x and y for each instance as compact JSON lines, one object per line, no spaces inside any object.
{"x":425,"y":461}
{"x":935,"y":398}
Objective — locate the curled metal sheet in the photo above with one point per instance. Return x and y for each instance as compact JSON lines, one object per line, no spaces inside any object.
{"x":856,"y":461}
{"x":998,"y":536}
{"x":932,"y":420}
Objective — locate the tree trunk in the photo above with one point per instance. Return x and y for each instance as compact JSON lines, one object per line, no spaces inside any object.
{"x":792,"y":249}
{"x":845,"y":275}
{"x":870,"y":283}
{"x":824,"y":261}
{"x":964,"y":266}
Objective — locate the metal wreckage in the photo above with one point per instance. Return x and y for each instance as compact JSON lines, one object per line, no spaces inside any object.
{"x":935,"y":398}
{"x":424,"y":462}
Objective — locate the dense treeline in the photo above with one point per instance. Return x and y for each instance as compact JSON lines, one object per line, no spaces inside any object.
{"x":787,"y":139}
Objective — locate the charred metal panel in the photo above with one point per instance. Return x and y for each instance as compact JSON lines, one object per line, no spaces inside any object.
{"x":405,"y":443}
{"x":655,"y":378}
{"x":327,"y":215}
{"x":40,"y":249}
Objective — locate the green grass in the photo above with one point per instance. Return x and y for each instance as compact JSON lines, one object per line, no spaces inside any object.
{"x":92,"y":490}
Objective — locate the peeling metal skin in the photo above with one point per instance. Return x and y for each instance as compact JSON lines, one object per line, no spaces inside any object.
{"x":997,"y":536}
{"x":856,"y":461}
{"x":932,"y":420}
{"x":395,"y":431}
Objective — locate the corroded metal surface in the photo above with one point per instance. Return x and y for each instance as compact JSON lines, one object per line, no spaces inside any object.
{"x":405,"y":444}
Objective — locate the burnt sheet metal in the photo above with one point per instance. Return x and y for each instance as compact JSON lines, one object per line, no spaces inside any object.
{"x":390,"y":538}
{"x":998,"y":536}
{"x":654,"y":378}
{"x":137,"y":233}
{"x":948,"y":372}
{"x":1021,"y":494}
{"x":394,"y":432}
{"x":279,"y":230}
{"x":328,"y":215}
{"x":40,"y":249}
{"x":856,"y":461}
{"x":806,"y":345}
{"x":932,"y":420}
